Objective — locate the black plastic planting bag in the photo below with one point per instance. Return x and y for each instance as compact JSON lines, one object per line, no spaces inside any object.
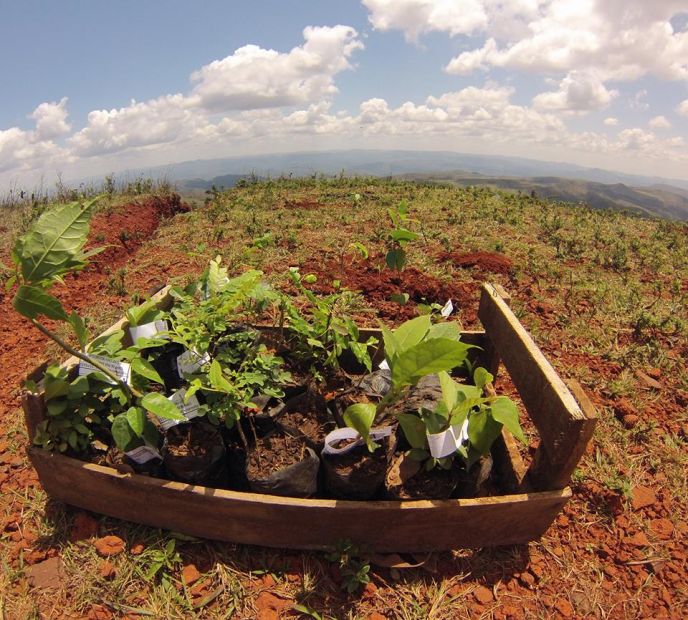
{"x":206,"y":465}
{"x":297,"y":480}
{"x":358,"y":474}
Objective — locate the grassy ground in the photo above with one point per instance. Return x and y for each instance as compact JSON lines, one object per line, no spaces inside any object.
{"x":603,"y":294}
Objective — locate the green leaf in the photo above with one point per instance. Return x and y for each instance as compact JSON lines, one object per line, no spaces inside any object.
{"x":10,"y":282}
{"x":504,"y":410}
{"x":55,"y":388}
{"x":427,"y":358}
{"x":217,"y":378}
{"x":144,"y":368}
{"x":391,"y":346}
{"x":143,"y":313}
{"x":400,"y":298}
{"x":56,"y":407}
{"x":402,"y":235}
{"x":53,"y":245}
{"x":360,"y":417}
{"x":411,"y":332}
{"x":482,"y":431}
{"x":79,"y":328}
{"x":123,"y":434}
{"x":447,"y":329}
{"x":481,"y":377}
{"x":107,"y":344}
{"x":32,"y":302}
{"x":362,"y":250}
{"x":396,"y":259}
{"x":217,"y":276}
{"x":137,"y":419}
{"x":450,"y":393}
{"x":162,"y":407}
{"x":414,"y":430}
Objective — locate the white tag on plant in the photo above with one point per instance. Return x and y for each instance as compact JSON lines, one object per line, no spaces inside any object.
{"x":143,"y":454}
{"x":447,"y":442}
{"x":121,"y":370}
{"x":383,"y":365}
{"x":188,"y":409}
{"x":147,"y":330}
{"x":189,"y":362}
{"x":344,"y":434}
{"x":447,"y":309}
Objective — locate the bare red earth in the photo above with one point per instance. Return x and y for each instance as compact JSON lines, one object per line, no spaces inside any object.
{"x":487,"y":262}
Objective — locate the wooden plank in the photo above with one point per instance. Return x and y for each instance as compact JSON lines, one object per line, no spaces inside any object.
{"x":560,"y":420}
{"x":282,"y":522}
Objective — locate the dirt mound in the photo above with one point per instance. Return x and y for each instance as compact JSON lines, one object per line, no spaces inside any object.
{"x":378,"y":283}
{"x":489,"y":262}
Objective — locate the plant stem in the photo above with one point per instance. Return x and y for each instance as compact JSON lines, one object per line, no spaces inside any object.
{"x":128,"y":390}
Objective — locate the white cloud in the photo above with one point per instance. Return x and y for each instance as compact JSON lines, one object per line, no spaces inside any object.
{"x":415,"y":17}
{"x":253,"y":77}
{"x":683,"y":108}
{"x":611,"y":121}
{"x":659,"y":122}
{"x":51,"y":120}
{"x":250,"y":79}
{"x":620,"y":40}
{"x":25,"y":150}
{"x":578,"y":92}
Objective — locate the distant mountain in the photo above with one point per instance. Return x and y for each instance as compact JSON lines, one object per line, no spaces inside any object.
{"x":391,"y":163}
{"x":657,"y":200}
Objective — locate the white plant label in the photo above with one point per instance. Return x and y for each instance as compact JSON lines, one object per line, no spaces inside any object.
{"x":447,"y":442}
{"x":143,"y":454}
{"x":188,"y":409}
{"x":447,"y":309}
{"x":147,"y":330}
{"x":190,"y":361}
{"x":383,"y":365}
{"x":121,"y":370}
{"x":342,"y":434}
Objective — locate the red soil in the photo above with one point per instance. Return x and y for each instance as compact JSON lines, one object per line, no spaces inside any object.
{"x":488,"y":262}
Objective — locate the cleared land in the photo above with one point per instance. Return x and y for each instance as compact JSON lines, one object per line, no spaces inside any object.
{"x":603,"y":294}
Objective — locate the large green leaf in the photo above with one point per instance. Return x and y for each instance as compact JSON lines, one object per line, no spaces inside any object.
{"x":32,"y":302}
{"x":414,"y":430}
{"x":391,"y":346}
{"x":402,"y":235}
{"x":427,"y":358}
{"x":124,"y":436}
{"x":411,"y":332}
{"x":146,"y":312}
{"x":144,"y":368}
{"x":162,"y":407}
{"x":396,"y":259}
{"x":360,"y":417}
{"x":79,"y":328}
{"x":482,"y":431}
{"x":450,"y":393}
{"x":217,"y":378}
{"x":504,"y":410}
{"x":53,"y":245}
{"x":137,"y":419}
{"x":482,"y":377}
{"x":446,"y":329}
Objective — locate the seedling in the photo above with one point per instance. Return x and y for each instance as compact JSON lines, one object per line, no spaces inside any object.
{"x":398,"y":237}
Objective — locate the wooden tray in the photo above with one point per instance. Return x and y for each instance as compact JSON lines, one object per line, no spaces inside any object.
{"x":535,"y":494}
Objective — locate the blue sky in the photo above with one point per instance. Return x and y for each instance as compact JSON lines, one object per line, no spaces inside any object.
{"x":97,"y":87}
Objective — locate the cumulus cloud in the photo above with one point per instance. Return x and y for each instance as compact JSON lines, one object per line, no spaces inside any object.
{"x":611,"y":121}
{"x":578,"y":92}
{"x":51,"y":120}
{"x":415,"y":17}
{"x":253,"y":77}
{"x":619,"y":40}
{"x":659,"y":122}
{"x":683,"y":108}
{"x":26,"y":149}
{"x":250,"y":79}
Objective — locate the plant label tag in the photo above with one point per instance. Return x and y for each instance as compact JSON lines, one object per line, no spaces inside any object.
{"x":121,"y":370}
{"x":143,"y":454}
{"x":447,"y":442}
{"x":188,"y":409}
{"x":383,"y":365}
{"x":189,"y":362}
{"x":342,"y":434}
{"x":447,"y":309}
{"x":148,"y":330}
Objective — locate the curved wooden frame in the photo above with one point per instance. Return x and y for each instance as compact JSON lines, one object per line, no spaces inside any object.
{"x":539,"y":494}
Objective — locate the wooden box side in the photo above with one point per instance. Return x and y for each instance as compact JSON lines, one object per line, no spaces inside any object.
{"x":565,"y":418}
{"x":284,"y":522}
